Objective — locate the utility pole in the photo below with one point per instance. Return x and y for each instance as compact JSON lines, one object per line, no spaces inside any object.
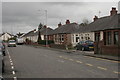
{"x":46,"y":29}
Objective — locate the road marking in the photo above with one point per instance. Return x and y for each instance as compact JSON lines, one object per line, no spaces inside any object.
{"x":15,"y":78}
{"x":85,"y":56}
{"x":10,"y":61}
{"x":71,"y":59}
{"x":13,"y":72}
{"x":65,"y":58}
{"x":89,"y":64}
{"x":116,"y":72}
{"x":102,"y":68}
{"x":78,"y":61}
{"x":11,"y":64}
{"x":12,"y":67}
{"x":60,"y":56}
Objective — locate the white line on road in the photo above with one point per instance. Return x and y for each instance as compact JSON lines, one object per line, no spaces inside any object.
{"x":116,"y":72}
{"x":11,"y":64}
{"x":10,"y":61}
{"x":89,"y":64}
{"x":12,"y":67}
{"x":78,"y":61}
{"x":15,"y":78}
{"x":13,"y":72}
{"x":102,"y":68}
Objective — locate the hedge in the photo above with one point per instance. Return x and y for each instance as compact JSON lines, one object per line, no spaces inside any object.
{"x":43,"y":42}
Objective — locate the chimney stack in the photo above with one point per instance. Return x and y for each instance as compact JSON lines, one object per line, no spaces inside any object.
{"x":113,"y":11}
{"x":95,"y":18}
{"x":45,"y":26}
{"x":59,"y":24}
{"x":67,"y":22}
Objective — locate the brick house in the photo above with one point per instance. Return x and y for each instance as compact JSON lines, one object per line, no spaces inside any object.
{"x":63,"y":34}
{"x":107,"y":34}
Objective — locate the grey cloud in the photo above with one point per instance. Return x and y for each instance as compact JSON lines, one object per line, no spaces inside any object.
{"x":23,"y":16}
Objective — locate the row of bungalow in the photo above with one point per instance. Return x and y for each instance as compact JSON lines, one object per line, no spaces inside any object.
{"x":104,"y":31}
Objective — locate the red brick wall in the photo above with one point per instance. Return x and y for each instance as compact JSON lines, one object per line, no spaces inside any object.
{"x":107,"y":49}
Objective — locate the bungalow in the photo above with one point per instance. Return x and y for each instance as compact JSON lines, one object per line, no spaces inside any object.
{"x":63,"y":34}
{"x":107,"y":34}
{"x":33,"y":35}
{"x":6,"y":36}
{"x":71,"y":34}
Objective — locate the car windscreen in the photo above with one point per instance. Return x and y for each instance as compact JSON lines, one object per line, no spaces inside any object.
{"x":89,"y":42}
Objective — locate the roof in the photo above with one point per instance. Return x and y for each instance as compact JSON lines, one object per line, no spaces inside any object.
{"x":67,"y":28}
{"x":43,"y":32}
{"x":104,"y":23}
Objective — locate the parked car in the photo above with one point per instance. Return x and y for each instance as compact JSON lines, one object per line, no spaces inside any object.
{"x":11,"y":43}
{"x":2,"y":47}
{"x":85,"y":45}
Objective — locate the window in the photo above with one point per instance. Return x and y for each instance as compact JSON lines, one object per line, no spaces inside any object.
{"x":62,"y":38}
{"x":97,"y":37}
{"x":104,"y":38}
{"x":116,"y":37}
{"x":77,"y":38}
{"x":109,"y":38}
{"x":73,"y":38}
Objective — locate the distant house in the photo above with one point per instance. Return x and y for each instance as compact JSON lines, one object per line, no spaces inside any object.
{"x":33,"y":35}
{"x":107,"y":34}
{"x":6,"y":36}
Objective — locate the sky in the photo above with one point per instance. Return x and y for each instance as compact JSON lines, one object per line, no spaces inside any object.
{"x":23,"y":16}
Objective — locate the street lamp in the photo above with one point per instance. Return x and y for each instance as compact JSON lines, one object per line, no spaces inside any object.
{"x":46,"y":27}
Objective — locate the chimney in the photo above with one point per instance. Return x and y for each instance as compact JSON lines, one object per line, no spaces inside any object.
{"x":67,"y":22}
{"x":113,"y":11}
{"x":95,"y":18}
{"x":59,"y":24}
{"x":45,"y":26}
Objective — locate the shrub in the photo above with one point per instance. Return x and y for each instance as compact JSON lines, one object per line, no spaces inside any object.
{"x":43,"y":42}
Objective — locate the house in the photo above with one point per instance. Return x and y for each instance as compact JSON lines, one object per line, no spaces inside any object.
{"x":63,"y":35}
{"x":33,"y":35}
{"x":6,"y":36}
{"x":71,"y":34}
{"x":107,"y":33}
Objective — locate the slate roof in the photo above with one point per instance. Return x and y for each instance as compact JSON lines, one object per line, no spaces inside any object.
{"x":67,"y":28}
{"x":43,"y":32}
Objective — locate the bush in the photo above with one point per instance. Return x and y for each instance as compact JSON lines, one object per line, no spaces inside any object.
{"x":43,"y":42}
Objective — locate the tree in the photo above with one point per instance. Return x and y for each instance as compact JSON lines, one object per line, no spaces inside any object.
{"x":39,"y":33}
{"x":85,"y":22}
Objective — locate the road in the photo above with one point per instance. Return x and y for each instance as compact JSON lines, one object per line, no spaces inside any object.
{"x":30,"y":62}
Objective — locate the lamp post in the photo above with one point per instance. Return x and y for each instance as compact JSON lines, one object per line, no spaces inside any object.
{"x":46,"y":42}
{"x":46,"y":29}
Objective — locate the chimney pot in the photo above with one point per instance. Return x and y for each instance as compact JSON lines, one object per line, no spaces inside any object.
{"x":59,"y":25}
{"x":45,"y":26}
{"x":67,"y":22}
{"x":95,"y":18}
{"x":113,"y":11}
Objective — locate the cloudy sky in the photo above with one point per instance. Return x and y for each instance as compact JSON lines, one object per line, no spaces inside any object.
{"x":26,"y":16}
